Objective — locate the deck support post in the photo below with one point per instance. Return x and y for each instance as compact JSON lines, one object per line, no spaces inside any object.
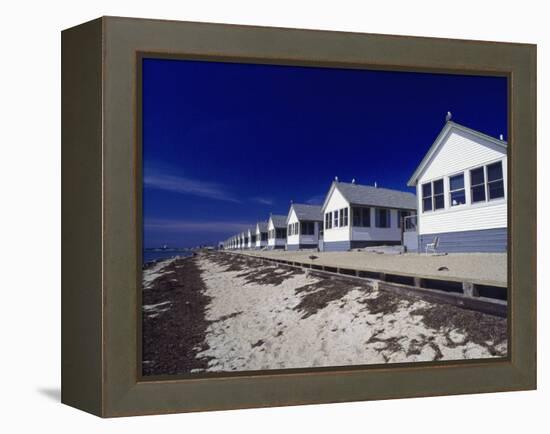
{"x":417,"y":282}
{"x":469,"y":289}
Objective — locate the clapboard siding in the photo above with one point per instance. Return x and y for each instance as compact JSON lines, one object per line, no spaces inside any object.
{"x":459,"y":151}
{"x":336,"y":246}
{"x":489,"y":240}
{"x":468,"y":218}
{"x":294,"y":247}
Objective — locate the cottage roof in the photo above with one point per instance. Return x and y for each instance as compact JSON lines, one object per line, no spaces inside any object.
{"x":357,"y":194}
{"x":262,"y":226}
{"x":307,"y":212}
{"x":279,"y":221}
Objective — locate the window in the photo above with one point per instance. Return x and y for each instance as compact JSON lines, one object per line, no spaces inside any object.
{"x":439,"y":199}
{"x":307,"y":228}
{"x":477,"y":181}
{"x":433,"y":196}
{"x":328,"y":220}
{"x":402,"y":215}
{"x":382,"y":218}
{"x":495,"y":180}
{"x":457,"y":193}
{"x":361,"y":216}
{"x":296,"y":228}
{"x":356,"y":216}
{"x":427,"y":197}
{"x":336,"y":218}
{"x":346,"y":217}
{"x":289,"y":229}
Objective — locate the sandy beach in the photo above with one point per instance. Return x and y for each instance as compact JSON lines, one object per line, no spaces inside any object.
{"x":224,"y":313}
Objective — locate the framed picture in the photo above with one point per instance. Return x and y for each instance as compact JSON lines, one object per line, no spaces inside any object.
{"x":260,"y":217}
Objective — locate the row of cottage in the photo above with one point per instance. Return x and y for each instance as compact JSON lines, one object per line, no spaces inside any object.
{"x":460,"y":201}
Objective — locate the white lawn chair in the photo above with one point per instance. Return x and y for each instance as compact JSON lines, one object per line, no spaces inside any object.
{"x":432,"y":246}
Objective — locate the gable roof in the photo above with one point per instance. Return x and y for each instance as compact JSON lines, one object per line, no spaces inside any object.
{"x":306,"y":212}
{"x":357,"y":194}
{"x":449,"y":126}
{"x":262,"y":226}
{"x":279,"y":221}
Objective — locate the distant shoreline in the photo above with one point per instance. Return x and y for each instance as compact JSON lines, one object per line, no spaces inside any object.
{"x":152,"y":257}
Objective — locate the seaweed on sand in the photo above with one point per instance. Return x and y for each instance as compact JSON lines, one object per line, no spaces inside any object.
{"x":485,"y":330}
{"x":169,"y":344}
{"x":319,"y":294}
{"x":269,"y":275}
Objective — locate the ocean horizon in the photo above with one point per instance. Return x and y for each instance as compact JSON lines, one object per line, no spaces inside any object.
{"x":151,"y":255}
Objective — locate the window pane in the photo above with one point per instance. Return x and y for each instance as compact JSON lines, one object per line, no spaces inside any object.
{"x":438,"y":187}
{"x":477,"y":176}
{"x":366,"y":217}
{"x":494,"y":172}
{"x":478,"y":193}
{"x":426,"y":189}
{"x":456,"y":182}
{"x":382,"y":218}
{"x":496,"y":189}
{"x":356,"y":213}
{"x":458,"y":197}
{"x":427,"y":204}
{"x":439,"y":201}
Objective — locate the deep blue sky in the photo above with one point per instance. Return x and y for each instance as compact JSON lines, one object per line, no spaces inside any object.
{"x":225,"y":144}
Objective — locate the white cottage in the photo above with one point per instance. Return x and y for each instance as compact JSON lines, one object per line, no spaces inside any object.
{"x":251,"y":235}
{"x":461,"y":187}
{"x":244,"y":240}
{"x":276,"y":232}
{"x":304,"y":226}
{"x":358,"y":216}
{"x":261,"y":235}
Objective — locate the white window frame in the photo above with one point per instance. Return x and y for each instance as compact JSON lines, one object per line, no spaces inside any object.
{"x":487,"y":182}
{"x":463,"y":173}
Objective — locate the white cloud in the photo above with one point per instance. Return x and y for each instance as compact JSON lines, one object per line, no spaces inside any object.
{"x":316,"y":200}
{"x":183,"y":185}
{"x":263,"y":200}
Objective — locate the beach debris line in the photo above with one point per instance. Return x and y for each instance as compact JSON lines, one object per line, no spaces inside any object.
{"x":174,"y":325}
